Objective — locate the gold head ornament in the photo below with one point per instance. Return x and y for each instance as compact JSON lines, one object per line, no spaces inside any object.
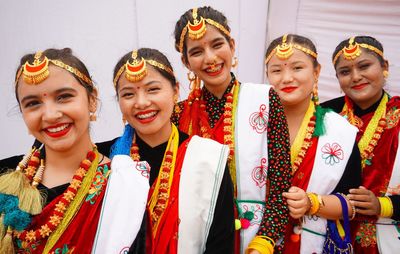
{"x":285,"y":50}
{"x":353,"y":50}
{"x":198,"y":28}
{"x":38,"y":71}
{"x":136,"y":70}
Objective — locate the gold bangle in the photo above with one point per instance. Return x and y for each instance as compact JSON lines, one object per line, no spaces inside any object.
{"x":262,"y":244}
{"x":386,"y":207}
{"x":353,"y":208}
{"x":315,"y":206}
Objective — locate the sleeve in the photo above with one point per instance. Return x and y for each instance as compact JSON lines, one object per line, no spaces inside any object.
{"x":396,"y":207}
{"x":276,"y":212}
{"x":221,"y":236}
{"x":351,"y":177}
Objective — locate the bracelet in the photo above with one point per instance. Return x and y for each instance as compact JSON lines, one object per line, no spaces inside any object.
{"x":386,"y":207}
{"x":315,"y":205}
{"x":262,"y":244}
{"x":353,"y":208}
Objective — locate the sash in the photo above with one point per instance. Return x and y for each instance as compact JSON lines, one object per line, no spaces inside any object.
{"x":251,"y":122}
{"x":123,"y":206}
{"x":333,"y":152}
{"x":387,"y":235}
{"x":201,"y":175}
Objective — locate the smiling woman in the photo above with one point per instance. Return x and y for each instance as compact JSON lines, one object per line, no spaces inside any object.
{"x":58,"y":100}
{"x":191,"y":192}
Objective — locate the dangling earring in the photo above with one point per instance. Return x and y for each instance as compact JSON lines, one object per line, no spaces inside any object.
{"x":385,"y":74}
{"x":177,"y":109}
{"x":92,"y":117}
{"x":195,"y":91}
{"x":123,"y":120}
{"x":235,"y":62}
{"x":191,"y":76}
{"x":315,"y":98}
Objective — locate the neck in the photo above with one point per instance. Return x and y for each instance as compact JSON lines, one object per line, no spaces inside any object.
{"x":218,"y":91}
{"x":61,"y":165}
{"x":366,"y":104}
{"x":295,"y":115}
{"x":158,"y":138}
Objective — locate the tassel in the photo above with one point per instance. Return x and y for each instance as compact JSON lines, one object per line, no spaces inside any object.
{"x":319,"y":121}
{"x":2,"y":227}
{"x":7,"y":245}
{"x":30,"y":199}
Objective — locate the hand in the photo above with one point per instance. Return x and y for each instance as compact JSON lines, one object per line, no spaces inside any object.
{"x":298,"y":202}
{"x":365,"y":201}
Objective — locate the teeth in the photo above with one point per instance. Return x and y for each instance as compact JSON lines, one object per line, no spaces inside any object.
{"x":214,"y":68}
{"x":60,"y":128}
{"x":144,"y":116}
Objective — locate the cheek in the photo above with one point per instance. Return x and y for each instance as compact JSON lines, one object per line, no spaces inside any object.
{"x":124,"y":106}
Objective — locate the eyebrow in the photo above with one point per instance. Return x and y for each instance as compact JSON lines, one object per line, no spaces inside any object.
{"x":131,"y":87}
{"x":58,"y":91}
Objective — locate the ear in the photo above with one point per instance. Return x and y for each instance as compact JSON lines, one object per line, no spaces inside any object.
{"x":317,"y":71}
{"x":232,"y":45}
{"x":176,"y":89}
{"x":186,"y":63}
{"x":93,"y":101}
{"x":386,"y":65}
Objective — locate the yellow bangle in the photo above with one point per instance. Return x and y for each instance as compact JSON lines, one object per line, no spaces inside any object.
{"x":262,"y":244}
{"x":386,"y":207}
{"x":315,"y":205}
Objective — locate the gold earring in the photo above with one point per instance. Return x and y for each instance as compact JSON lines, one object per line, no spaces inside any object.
{"x":123,"y":120}
{"x":92,"y":117}
{"x":191,"y":76}
{"x":315,"y":98}
{"x":235,"y":61}
{"x":385,"y":74}
{"x":177,"y":109}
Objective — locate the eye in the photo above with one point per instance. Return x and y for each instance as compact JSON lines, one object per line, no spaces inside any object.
{"x":298,"y":68}
{"x":275,"y":71}
{"x":195,"y":53}
{"x":64,"y":97}
{"x":127,"y":95}
{"x":31,"y":104}
{"x":364,"y":66}
{"x":153,"y":89}
{"x":344,"y":72}
{"x":218,"y":45}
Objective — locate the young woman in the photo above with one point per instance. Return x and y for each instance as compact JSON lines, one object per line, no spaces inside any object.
{"x":190,"y":204}
{"x":324,"y":154}
{"x":362,"y":71}
{"x":247,"y":117}
{"x":58,"y":100}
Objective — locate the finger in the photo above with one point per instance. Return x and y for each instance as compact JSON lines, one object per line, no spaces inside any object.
{"x":365,"y":211}
{"x":362,"y":205}
{"x":360,"y":198}
{"x":359,"y":191}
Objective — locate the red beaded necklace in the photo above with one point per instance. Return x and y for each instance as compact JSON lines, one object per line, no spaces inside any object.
{"x":68,"y":196}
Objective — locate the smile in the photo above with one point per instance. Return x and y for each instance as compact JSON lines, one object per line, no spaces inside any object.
{"x":359,"y":86}
{"x":214,"y":69}
{"x":288,"y":89}
{"x":58,"y":131}
{"x":147,"y":116}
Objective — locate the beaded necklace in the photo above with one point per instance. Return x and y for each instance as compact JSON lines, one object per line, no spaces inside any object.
{"x":162,"y":187}
{"x":303,"y":138}
{"x":62,"y":206}
{"x":228,"y":126}
{"x":373,"y":131}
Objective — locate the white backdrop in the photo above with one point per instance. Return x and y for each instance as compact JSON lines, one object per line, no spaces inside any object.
{"x":101,"y":31}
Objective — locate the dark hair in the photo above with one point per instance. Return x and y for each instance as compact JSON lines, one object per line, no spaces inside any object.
{"x":297,"y":39}
{"x":65,"y":55}
{"x":206,"y":12}
{"x":148,"y":54}
{"x":362,"y":39}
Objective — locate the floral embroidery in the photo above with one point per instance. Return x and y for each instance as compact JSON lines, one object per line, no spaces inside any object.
{"x":259,"y":120}
{"x":392,"y":118}
{"x":99,"y":181}
{"x":144,"y":168}
{"x":332,"y":153}
{"x":63,"y":250}
{"x":366,"y":235}
{"x":259,"y":174}
{"x":257,"y":210}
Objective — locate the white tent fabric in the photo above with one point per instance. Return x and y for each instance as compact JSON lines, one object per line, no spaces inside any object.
{"x":101,"y":31}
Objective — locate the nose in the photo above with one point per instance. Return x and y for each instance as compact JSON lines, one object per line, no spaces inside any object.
{"x":287,"y":76}
{"x":210,"y":57}
{"x":142,"y":101}
{"x":51,"y":113}
{"x":356,"y":75}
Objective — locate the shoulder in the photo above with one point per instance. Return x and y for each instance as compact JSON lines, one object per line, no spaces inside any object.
{"x":9,"y":163}
{"x":334,"y":104}
{"x":104,"y":147}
